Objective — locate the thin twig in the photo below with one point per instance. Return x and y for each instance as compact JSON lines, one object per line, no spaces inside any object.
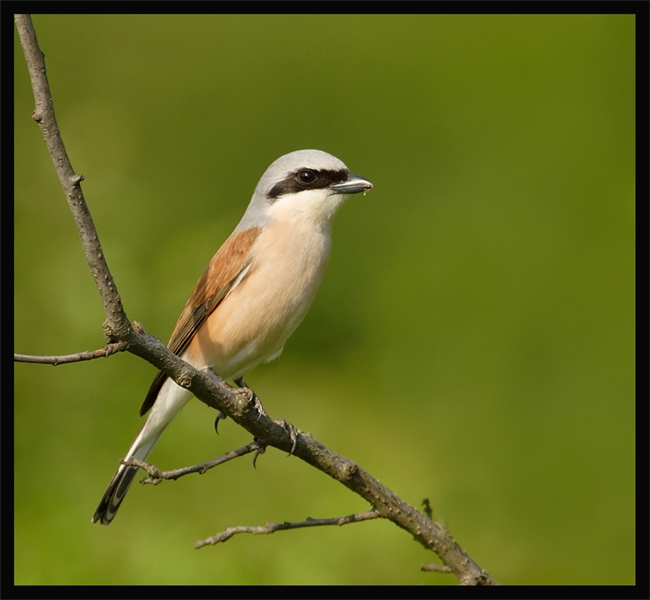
{"x":271,"y":527}
{"x":71,"y":358}
{"x":436,"y":568}
{"x":156,"y":476}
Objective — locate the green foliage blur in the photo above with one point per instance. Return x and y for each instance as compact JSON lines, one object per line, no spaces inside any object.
{"x":472,"y":341}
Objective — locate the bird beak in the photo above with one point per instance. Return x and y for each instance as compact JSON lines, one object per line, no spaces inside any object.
{"x":352,"y":185}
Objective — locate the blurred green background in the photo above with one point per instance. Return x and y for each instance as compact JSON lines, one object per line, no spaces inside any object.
{"x":473,"y":338}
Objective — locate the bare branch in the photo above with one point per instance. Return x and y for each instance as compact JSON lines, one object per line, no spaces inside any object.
{"x":270,"y":527}
{"x":116,"y":319}
{"x":71,"y":358}
{"x":156,"y":475}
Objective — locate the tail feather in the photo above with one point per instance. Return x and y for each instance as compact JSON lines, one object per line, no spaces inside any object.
{"x":170,"y":401}
{"x":121,"y":482}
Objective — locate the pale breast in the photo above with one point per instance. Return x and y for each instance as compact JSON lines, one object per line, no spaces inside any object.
{"x":253,"y":322}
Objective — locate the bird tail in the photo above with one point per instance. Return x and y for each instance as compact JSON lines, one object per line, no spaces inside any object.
{"x":122,"y":480}
{"x":171,"y":399}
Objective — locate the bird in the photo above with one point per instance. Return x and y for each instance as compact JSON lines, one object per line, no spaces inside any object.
{"x":253,"y":294}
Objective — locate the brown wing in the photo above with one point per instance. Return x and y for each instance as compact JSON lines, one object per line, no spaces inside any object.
{"x":226,"y":269}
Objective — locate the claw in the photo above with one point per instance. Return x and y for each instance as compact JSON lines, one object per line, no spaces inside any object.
{"x":220,"y":417}
{"x":252,"y":396}
{"x":292,"y":432}
{"x":216,"y":377}
{"x":260,"y":450}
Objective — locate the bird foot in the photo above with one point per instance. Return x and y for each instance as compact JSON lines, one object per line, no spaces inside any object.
{"x":291,"y":431}
{"x":253,"y":399}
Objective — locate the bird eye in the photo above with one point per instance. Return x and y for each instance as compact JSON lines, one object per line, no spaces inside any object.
{"x":306,"y":177}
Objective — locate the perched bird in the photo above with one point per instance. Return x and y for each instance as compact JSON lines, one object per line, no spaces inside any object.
{"x":254,"y":293}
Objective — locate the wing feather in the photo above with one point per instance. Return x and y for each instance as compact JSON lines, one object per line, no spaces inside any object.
{"x":228,"y":267}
